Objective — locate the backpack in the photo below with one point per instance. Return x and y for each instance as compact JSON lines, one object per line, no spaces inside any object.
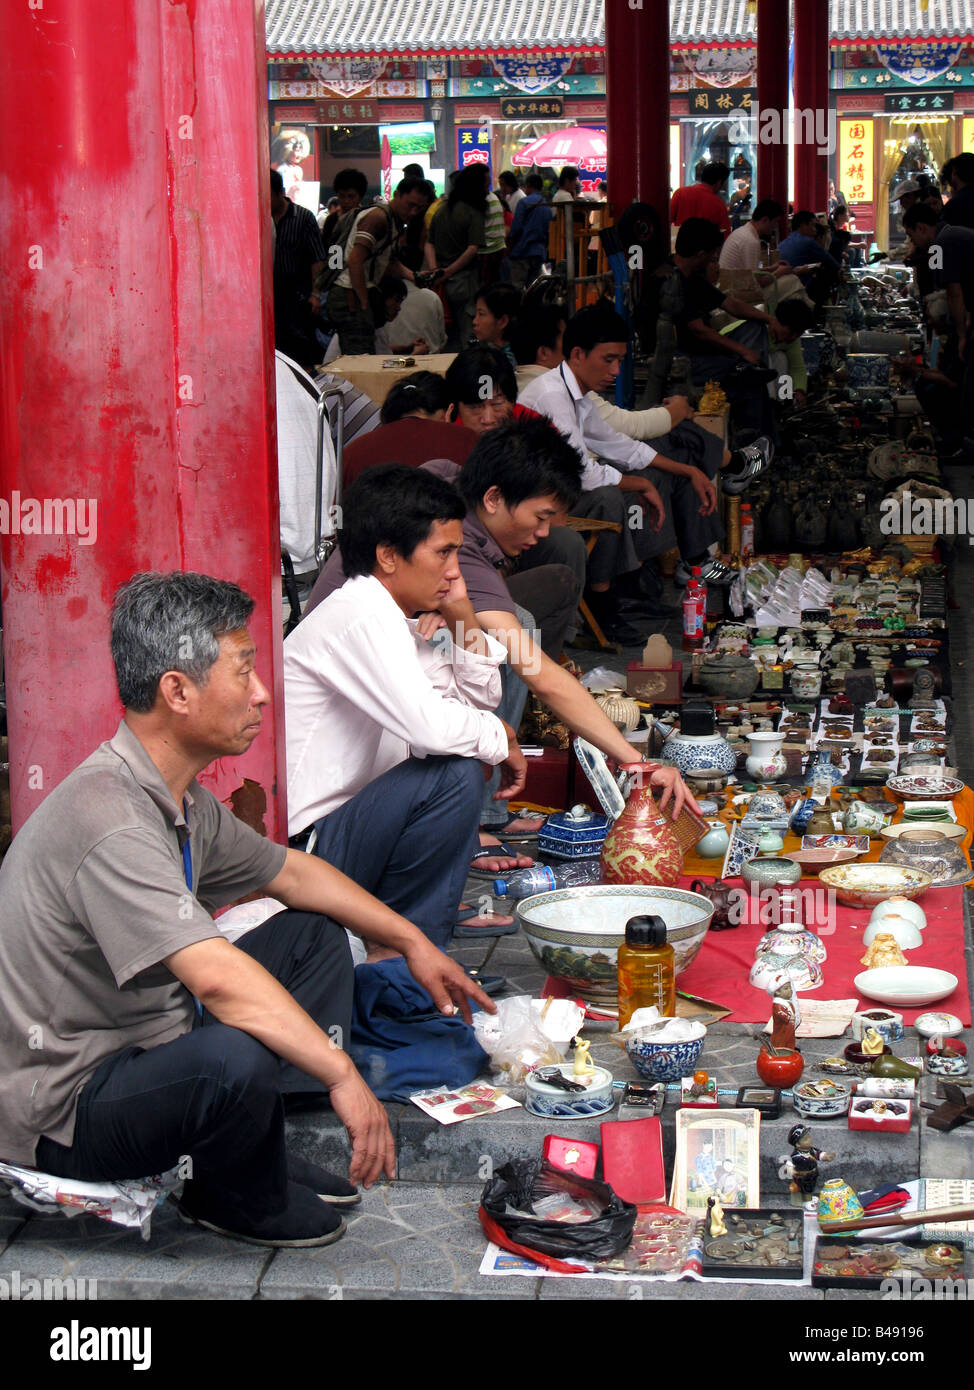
{"x":341,"y":236}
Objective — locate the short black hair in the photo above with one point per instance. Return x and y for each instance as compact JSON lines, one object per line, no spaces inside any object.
{"x":596,"y":323}
{"x":963,"y":166}
{"x":418,"y":391}
{"x":501,"y":300}
{"x":920,"y":212}
{"x":698,"y":234}
{"x":535,"y":182}
{"x":509,"y":177}
{"x":801,"y":217}
{"x":795,"y":315}
{"x":413,"y":185}
{"x":277,"y":181}
{"x":351,"y":179}
{"x":392,"y":287}
{"x":470,"y":372}
{"x":392,"y":505}
{"x":414,"y":171}
{"x":567,"y":175}
{"x":767,"y":207}
{"x":536,"y":330}
{"x":526,"y":458}
{"x":714,"y":174}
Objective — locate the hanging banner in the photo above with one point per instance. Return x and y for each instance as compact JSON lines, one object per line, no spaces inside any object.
{"x":856,"y":160}
{"x":918,"y":62}
{"x":532,"y":72}
{"x":473,"y":145}
{"x":968,"y":137}
{"x":347,"y":76}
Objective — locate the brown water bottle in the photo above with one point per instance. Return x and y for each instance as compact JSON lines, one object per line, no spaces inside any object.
{"x":647,"y":970}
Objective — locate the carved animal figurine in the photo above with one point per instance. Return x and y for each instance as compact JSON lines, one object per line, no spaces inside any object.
{"x":718,"y":1226}
{"x":583,"y":1065}
{"x":883,"y":951}
{"x":872,"y":1044}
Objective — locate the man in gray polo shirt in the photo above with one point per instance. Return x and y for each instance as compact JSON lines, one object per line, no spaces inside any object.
{"x":109,"y":1067}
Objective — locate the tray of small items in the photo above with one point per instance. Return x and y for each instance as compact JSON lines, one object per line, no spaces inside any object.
{"x":757,"y":1245}
{"x":844,"y":1262}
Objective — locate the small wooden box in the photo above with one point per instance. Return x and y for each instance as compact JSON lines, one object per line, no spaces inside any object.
{"x":656,"y":687}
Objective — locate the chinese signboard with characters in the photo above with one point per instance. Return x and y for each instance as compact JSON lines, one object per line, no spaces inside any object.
{"x":720,"y":103}
{"x":473,"y":145}
{"x":919,"y":101}
{"x":349,"y":112}
{"x":968,"y":144}
{"x":856,"y":155}
{"x":532,"y":108}
{"x":918,"y":62}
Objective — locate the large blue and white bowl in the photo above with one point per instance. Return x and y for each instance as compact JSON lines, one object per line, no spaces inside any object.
{"x":575,"y":933}
{"x":663,"y":1061}
{"x":700,"y":753}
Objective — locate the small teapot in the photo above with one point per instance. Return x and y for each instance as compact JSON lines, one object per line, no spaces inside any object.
{"x":726,"y":900}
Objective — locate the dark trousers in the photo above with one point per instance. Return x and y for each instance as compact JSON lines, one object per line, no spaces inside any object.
{"x":750,"y":405}
{"x":692,"y":533}
{"x":408,"y":838}
{"x":213,"y":1096}
{"x":550,"y":593}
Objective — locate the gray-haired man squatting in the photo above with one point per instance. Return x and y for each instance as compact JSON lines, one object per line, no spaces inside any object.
{"x":133,"y":1035}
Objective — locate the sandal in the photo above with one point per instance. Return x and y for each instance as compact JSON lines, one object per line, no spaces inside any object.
{"x":503,"y":827}
{"x":498,"y":851}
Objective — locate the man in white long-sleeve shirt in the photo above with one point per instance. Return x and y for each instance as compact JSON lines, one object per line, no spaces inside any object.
{"x":387,"y":730}
{"x":593,"y":346}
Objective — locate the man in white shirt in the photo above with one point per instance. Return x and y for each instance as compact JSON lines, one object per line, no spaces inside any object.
{"x":594,"y":344}
{"x":510,"y":190}
{"x":742,"y":249}
{"x":417,"y":326}
{"x":389,"y":686}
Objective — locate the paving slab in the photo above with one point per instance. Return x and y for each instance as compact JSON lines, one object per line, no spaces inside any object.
{"x":178,"y":1261}
{"x":406,"y":1241}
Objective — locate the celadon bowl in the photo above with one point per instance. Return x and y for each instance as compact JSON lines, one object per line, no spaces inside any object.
{"x":575,"y":933}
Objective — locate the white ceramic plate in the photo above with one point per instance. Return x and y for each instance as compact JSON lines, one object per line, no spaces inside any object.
{"x":909,"y":985}
{"x":921,"y":788}
{"x":951,"y":830}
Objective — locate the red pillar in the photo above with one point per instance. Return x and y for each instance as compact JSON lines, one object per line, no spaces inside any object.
{"x":811,"y":103}
{"x":773,"y":41}
{"x":138,"y":352}
{"x":637,"y":79}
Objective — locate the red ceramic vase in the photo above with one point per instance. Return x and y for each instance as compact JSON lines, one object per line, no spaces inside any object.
{"x":781,"y":1069}
{"x":642,"y":846}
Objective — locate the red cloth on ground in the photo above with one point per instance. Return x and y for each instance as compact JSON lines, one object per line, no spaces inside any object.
{"x":720,"y":971}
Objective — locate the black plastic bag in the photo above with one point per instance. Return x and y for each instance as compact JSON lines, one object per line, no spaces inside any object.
{"x":522,"y":1182}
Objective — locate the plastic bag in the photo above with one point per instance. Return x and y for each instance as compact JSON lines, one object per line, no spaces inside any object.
{"x":601,"y":678}
{"x":508,"y":1215}
{"x":514,"y":1040}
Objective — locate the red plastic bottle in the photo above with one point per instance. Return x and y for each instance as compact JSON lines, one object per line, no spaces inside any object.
{"x":693,"y":616}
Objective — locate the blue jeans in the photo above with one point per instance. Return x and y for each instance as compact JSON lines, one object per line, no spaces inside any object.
{"x":408,"y":837}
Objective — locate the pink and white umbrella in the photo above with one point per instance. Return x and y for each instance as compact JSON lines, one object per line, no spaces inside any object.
{"x":524,"y":157}
{"x":574,"y":145}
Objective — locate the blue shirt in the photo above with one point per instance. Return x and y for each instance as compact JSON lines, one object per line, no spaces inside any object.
{"x":797,"y":249}
{"x":529,"y":230}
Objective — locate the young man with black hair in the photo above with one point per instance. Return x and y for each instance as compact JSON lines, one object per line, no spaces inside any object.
{"x":417,"y":326}
{"x":527,"y":240}
{"x":388,"y":718}
{"x":742,"y":249}
{"x":369,"y":252}
{"x":594,"y":343}
{"x":958,"y":172}
{"x":299,"y":255}
{"x":950,"y":252}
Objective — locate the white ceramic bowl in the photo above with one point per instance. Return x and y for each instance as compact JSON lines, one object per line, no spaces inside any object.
{"x":865,"y":885}
{"x":909,"y":986}
{"x":906,"y":934}
{"x":899,"y":907}
{"x":575,"y":933}
{"x":948,"y":828}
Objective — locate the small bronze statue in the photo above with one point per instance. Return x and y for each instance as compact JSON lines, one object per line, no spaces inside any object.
{"x":800,"y":1167}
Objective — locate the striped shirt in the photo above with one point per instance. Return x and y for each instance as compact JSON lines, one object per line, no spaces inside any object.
{"x":495,"y":232}
{"x":298,"y":245}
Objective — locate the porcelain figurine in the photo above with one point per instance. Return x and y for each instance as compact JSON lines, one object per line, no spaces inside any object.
{"x":641,"y":846}
{"x":765,"y":759}
{"x":582,"y":1064}
{"x":800,"y":1167}
{"x":883,"y":951}
{"x":785,"y":1014}
{"x":872,"y":1043}
{"x":717,"y":1226}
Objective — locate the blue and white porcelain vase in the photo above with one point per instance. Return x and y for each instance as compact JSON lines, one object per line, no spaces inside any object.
{"x":700,"y":753}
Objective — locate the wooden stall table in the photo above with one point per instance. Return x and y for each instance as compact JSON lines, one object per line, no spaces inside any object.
{"x":367,"y":373}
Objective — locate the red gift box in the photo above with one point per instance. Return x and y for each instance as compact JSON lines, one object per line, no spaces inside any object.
{"x":863,"y":1116}
{"x":571,"y":1155}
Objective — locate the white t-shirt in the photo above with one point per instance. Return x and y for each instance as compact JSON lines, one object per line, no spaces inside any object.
{"x":741,"y":250}
{"x":420,"y":316}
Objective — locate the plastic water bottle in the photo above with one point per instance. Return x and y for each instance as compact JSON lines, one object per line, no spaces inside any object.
{"x":542,"y":879}
{"x":694,"y":608}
